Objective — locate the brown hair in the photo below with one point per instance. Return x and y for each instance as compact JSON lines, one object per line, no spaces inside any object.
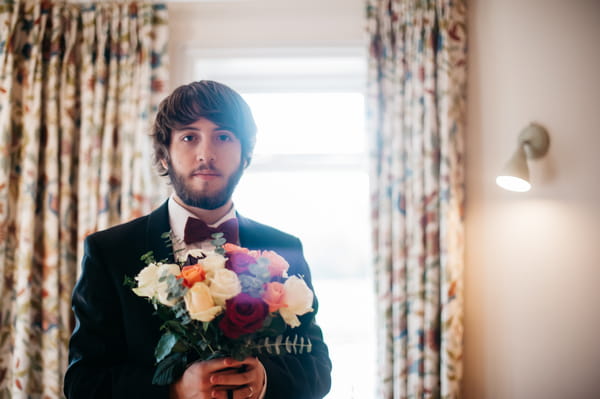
{"x":204,"y":99}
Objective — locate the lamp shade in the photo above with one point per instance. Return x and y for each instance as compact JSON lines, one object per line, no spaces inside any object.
{"x":533,"y":143}
{"x":515,"y":174}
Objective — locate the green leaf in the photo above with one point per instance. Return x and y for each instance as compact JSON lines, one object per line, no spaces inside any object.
{"x":296,"y":345}
{"x":251,"y":285}
{"x":164,"y":346}
{"x":275,"y":327}
{"x":170,"y":369}
{"x":148,"y":257}
{"x":261,"y":269}
{"x":180,"y":347}
{"x":264,"y":262}
{"x":175,"y":289}
{"x":129,"y":282}
{"x":267,"y":321}
{"x":174,"y":326}
{"x":218,"y":241}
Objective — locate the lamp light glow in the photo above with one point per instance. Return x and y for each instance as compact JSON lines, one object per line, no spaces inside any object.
{"x":512,"y":183}
{"x":533,"y":143}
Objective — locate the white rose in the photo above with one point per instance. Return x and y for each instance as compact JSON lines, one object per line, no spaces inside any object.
{"x":199,"y":303}
{"x":224,"y":285}
{"x":162,"y":289}
{"x":213,"y":262}
{"x":299,"y":300}
{"x":147,"y":280}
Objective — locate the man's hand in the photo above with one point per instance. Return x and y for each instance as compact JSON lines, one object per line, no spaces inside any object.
{"x":214,"y":378}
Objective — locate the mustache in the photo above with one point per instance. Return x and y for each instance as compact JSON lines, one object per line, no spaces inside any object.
{"x":206,"y":167}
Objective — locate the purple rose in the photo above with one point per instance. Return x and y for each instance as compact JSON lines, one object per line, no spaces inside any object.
{"x":239,"y":262}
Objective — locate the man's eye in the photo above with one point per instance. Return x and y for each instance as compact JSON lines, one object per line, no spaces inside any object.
{"x":187,"y":138}
{"x":224,"y":137}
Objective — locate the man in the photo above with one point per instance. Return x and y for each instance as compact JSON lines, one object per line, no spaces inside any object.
{"x":203,"y":136}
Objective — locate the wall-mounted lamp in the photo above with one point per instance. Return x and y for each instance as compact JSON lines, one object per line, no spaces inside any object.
{"x":533,"y":143}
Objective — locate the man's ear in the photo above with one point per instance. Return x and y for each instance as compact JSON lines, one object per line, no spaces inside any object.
{"x":246,"y":162}
{"x":164,"y":164}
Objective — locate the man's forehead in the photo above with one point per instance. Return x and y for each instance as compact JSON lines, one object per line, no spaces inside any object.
{"x":201,"y":124}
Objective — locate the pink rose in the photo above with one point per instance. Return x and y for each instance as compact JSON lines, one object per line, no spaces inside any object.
{"x":278,"y":266}
{"x":244,"y":314}
{"x":274,"y":296}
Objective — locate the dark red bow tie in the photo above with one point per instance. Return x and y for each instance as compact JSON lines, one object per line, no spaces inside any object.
{"x":196,"y":231}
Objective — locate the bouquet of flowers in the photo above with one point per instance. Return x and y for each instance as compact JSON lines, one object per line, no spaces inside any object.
{"x":227,"y":302}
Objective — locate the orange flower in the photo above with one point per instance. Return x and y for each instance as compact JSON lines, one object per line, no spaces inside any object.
{"x":192,"y":275}
{"x":274,"y":296}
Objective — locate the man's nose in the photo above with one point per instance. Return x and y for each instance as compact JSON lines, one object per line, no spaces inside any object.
{"x":206,"y":151}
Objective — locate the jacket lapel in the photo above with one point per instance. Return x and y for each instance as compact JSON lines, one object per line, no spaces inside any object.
{"x":247,"y":238}
{"x":158,"y":224}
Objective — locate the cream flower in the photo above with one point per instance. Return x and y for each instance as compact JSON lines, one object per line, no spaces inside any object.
{"x":199,"y":303}
{"x":224,"y":284}
{"x":213,"y":262}
{"x":162,"y":289}
{"x":299,"y":300}
{"x":147,"y":280}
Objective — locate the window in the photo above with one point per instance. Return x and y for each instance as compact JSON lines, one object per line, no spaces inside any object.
{"x":309,"y":177}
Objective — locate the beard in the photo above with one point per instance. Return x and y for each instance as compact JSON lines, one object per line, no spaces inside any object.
{"x":200,"y":200}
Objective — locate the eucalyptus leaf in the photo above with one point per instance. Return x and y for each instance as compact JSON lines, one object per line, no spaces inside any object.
{"x":251,"y":285}
{"x":218,"y":239}
{"x":165,"y":345}
{"x":261,"y":269}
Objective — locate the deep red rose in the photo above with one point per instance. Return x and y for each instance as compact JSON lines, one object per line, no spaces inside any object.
{"x":244,"y":314}
{"x":239,"y":262}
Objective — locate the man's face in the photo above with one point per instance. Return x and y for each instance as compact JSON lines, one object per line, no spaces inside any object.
{"x":205,"y":164}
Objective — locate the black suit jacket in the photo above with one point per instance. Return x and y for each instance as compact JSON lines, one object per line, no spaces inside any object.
{"x":111,"y":351}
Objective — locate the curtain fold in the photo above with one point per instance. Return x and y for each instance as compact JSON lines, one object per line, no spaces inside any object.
{"x":78,"y":86}
{"x":416,"y":114}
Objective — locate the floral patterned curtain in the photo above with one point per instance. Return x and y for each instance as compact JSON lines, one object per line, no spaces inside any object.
{"x":78,"y":86}
{"x":416,"y":113}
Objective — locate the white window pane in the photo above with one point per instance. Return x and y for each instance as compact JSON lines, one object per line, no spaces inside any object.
{"x":280,"y":69}
{"x":348,"y":322}
{"x":308,"y":123}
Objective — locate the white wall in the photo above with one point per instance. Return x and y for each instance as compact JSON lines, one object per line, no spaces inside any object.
{"x":532,"y":296}
{"x":532,"y":273}
{"x":234,"y":24}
